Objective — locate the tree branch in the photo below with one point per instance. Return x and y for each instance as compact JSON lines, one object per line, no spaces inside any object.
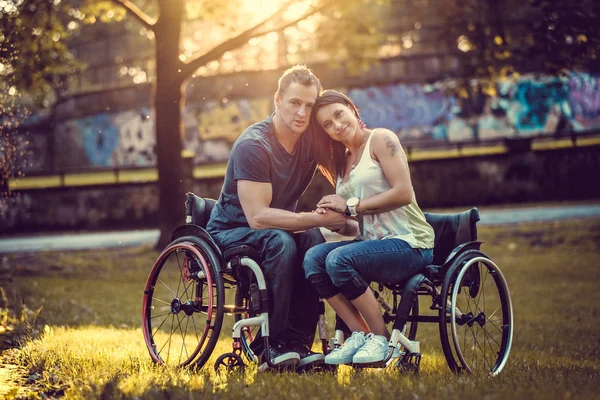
{"x":136,"y":12}
{"x":244,"y":37}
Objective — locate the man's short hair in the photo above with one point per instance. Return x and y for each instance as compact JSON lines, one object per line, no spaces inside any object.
{"x":299,"y":74}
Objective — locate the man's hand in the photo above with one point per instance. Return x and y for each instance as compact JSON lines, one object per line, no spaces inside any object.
{"x":333,"y":202}
{"x":334,"y":221}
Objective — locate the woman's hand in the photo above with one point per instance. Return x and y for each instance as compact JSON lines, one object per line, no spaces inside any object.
{"x":332,"y":202}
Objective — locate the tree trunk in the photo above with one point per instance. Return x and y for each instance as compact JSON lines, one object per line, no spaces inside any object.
{"x":168,"y":103}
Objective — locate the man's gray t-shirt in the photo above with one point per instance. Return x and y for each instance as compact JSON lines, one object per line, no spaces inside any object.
{"x":258,"y":156}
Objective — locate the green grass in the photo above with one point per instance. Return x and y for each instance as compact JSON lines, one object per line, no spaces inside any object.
{"x":91,"y":343}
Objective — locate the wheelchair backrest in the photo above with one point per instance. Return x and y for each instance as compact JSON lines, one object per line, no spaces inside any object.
{"x":452,"y":230}
{"x":198,"y":209}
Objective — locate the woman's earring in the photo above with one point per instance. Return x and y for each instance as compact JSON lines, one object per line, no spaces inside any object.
{"x":361,"y":123}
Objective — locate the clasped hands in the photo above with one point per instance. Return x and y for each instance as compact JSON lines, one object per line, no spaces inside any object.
{"x":335,"y":221}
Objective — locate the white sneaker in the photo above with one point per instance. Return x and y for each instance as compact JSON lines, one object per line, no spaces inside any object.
{"x":344,"y":353}
{"x":375,"y":349}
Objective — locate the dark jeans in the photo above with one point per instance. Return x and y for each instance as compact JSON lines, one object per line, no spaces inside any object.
{"x":293,"y":301}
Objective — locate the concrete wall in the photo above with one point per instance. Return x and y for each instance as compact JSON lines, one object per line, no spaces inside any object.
{"x":116,"y":128}
{"x":564,"y":174}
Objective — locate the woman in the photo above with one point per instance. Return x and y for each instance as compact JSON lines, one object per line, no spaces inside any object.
{"x":369,"y":170}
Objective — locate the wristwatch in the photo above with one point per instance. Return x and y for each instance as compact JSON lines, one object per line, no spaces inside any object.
{"x":351,"y":205}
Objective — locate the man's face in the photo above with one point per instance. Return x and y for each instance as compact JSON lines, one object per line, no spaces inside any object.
{"x":294,"y":106}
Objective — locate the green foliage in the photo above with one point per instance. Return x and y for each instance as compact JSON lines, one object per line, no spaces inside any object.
{"x":498,"y":39}
{"x":568,"y":33}
{"x":34,"y":54}
{"x":350,"y":33}
{"x":103,"y":11}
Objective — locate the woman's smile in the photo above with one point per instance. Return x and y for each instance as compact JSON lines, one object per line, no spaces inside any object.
{"x":343,"y":130}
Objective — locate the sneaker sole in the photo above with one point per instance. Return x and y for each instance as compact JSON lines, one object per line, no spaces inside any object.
{"x":289,"y":364}
{"x":312,"y":359}
{"x":368,"y":360}
{"x":347,"y":360}
{"x":290,"y":358}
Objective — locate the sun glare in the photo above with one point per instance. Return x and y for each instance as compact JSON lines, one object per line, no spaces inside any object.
{"x":260,"y":9}
{"x":262,"y":52}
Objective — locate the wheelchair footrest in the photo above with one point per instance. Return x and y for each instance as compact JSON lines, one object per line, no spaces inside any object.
{"x":410,"y":362}
{"x":377,"y":364}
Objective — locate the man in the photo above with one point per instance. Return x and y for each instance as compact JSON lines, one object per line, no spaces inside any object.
{"x":269,"y":168}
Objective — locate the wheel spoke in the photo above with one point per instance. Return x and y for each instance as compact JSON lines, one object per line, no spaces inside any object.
{"x":162,"y":301}
{"x":183,"y":346}
{"x":174,"y":295}
{"x":161,"y":324}
{"x":489,"y":335}
{"x":160,"y":315}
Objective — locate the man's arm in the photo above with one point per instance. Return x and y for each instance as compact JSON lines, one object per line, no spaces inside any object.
{"x":256,"y":197}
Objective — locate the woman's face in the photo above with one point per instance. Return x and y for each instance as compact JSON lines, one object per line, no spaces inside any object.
{"x":338,"y":121}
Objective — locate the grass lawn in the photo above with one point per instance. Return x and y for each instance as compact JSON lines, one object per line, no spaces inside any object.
{"x":86,"y":307}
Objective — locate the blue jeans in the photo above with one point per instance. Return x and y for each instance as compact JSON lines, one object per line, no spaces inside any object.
{"x":293,"y":302}
{"x":349,"y":266}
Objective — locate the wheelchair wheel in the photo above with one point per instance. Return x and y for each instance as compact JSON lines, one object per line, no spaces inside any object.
{"x":476,"y":324}
{"x":248,"y":332}
{"x":183,"y":304}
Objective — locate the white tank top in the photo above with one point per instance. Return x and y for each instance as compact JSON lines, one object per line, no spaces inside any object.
{"x":407,"y":223}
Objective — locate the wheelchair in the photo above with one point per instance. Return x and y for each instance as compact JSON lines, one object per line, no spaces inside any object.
{"x":184,"y":301}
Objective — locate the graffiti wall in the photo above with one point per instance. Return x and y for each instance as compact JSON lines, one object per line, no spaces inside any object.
{"x":212,"y":126}
{"x":105,"y":140}
{"x":127,"y":139}
{"x":527,"y":107}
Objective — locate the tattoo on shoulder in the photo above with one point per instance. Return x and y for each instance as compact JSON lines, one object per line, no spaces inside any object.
{"x":391,"y":146}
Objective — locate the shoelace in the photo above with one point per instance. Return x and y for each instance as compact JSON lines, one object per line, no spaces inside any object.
{"x":372,"y":343}
{"x":348,"y":343}
{"x":353,"y":339}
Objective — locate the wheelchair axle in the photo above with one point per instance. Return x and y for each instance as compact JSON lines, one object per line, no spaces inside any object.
{"x":189,"y":307}
{"x":469,"y":319}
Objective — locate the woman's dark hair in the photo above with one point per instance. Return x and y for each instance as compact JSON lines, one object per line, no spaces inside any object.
{"x":330,"y":154}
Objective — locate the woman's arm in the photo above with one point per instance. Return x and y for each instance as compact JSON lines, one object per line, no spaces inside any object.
{"x":386,"y":149}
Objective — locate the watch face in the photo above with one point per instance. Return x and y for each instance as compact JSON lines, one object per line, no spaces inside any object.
{"x":352,"y":202}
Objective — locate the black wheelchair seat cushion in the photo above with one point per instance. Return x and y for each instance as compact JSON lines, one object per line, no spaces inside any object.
{"x":199,"y":208}
{"x":241,"y":251}
{"x":452,"y":230}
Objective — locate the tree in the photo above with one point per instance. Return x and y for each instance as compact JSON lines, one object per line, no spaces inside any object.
{"x":498,"y":39}
{"x":164,"y":18}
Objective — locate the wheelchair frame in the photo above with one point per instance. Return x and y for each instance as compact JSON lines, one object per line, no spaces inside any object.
{"x":181,"y":323}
